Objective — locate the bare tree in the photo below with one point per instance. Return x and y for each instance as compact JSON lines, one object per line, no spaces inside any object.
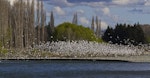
{"x":38,"y":22}
{"x":10,"y":42}
{"x":17,"y":23}
{"x":75,"y":19}
{"x":51,"y":27}
{"x":42,"y":22}
{"x":52,"y":22}
{"x":97,"y":25}
{"x":21,"y":24}
{"x":99,"y":28}
{"x":32,"y":31}
{"x":92,"y":24}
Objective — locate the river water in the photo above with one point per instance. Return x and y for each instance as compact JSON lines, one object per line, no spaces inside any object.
{"x":73,"y":69}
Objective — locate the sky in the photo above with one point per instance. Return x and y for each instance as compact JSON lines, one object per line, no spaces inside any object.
{"x":110,"y":12}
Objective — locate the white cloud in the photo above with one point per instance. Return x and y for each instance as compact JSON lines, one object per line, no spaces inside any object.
{"x":104,"y":25}
{"x":113,"y":17}
{"x":106,"y":11}
{"x":93,"y":4}
{"x":80,"y":11}
{"x":84,"y":20}
{"x":65,"y":3}
{"x":100,"y":3}
{"x":61,"y":3}
{"x":59,"y":10}
{"x":147,"y":3}
{"x":125,"y":2}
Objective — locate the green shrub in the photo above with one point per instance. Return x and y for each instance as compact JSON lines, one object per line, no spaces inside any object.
{"x":3,"y":51}
{"x":148,"y":39}
{"x":0,"y":45}
{"x":68,"y":31}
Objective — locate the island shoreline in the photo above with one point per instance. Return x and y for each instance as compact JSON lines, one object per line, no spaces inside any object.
{"x":129,"y":59}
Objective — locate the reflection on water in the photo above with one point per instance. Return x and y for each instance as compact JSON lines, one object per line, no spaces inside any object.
{"x":73,"y":69}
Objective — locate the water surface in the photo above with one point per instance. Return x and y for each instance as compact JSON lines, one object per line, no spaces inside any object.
{"x":73,"y":69}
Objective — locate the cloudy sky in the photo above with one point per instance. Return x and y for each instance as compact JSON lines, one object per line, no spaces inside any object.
{"x":109,"y":11}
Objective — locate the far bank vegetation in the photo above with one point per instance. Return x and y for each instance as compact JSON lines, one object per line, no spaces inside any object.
{"x":23,"y":25}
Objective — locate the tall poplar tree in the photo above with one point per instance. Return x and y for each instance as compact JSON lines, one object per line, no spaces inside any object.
{"x":38,"y":22}
{"x":97,"y":26}
{"x":92,"y":24}
{"x":75,"y":19}
{"x":42,"y":22}
{"x":52,"y":22}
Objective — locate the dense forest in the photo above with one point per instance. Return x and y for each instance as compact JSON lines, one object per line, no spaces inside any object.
{"x":125,"y":34}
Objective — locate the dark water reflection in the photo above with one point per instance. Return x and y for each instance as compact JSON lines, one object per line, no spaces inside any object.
{"x":73,"y":69}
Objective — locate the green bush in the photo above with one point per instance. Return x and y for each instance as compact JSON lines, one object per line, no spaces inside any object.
{"x":0,"y":44}
{"x":147,"y":39}
{"x":3,"y":51}
{"x":68,"y":31}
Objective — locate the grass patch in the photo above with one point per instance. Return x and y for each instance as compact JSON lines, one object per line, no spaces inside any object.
{"x":148,"y":39}
{"x":3,"y":50}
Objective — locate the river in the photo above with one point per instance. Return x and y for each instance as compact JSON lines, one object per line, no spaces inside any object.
{"x":73,"y":69}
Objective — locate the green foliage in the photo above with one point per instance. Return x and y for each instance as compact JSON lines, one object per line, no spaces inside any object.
{"x":108,"y":35}
{"x":68,"y":31}
{"x":49,"y":32}
{"x":6,"y":38}
{"x":3,"y":51}
{"x":146,"y":29}
{"x":148,"y":39}
{"x":0,"y":44}
{"x":125,"y":34}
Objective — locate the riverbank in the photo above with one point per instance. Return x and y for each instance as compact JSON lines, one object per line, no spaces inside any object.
{"x":37,"y":55}
{"x":81,"y":50}
{"x":140,"y":58}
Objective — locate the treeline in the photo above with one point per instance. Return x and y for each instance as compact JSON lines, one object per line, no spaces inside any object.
{"x":22,"y":24}
{"x":125,"y":34}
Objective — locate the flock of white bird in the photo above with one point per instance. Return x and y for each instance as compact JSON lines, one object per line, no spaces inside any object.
{"x":85,"y":48}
